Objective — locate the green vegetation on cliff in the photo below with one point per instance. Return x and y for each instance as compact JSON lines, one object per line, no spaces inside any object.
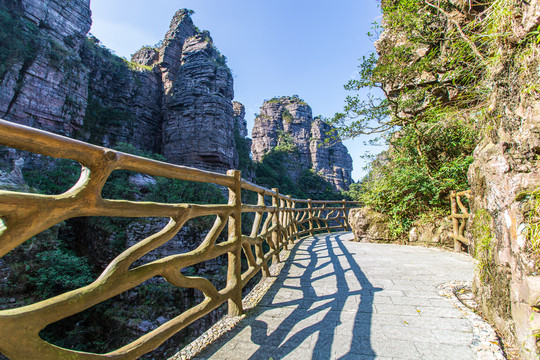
{"x":440,"y":66}
{"x":18,"y":38}
{"x":273,"y":172}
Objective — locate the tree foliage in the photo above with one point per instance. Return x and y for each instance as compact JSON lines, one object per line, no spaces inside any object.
{"x":410,"y":180}
{"x":275,"y":168}
{"x":433,"y":57}
{"x":430,"y":90}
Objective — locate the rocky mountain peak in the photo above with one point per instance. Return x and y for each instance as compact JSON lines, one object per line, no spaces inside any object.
{"x":290,"y":118}
{"x":240,"y":118}
{"x":146,"y":56}
{"x":175,"y":99}
{"x":198,"y":117}
{"x":67,"y":21}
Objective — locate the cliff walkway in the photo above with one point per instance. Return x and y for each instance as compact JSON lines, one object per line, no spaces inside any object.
{"x":333,"y":298}
{"x":337,"y":299}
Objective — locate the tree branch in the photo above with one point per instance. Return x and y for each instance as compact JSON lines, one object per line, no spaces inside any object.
{"x":458,"y":27}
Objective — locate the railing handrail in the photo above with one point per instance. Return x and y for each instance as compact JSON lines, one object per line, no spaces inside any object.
{"x":24,"y":215}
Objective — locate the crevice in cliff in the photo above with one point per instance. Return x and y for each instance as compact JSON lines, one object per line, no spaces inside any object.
{"x":19,"y":83}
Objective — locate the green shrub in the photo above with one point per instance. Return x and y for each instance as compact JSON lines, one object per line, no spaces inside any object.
{"x":285,"y":142}
{"x":59,"y":271}
{"x":273,"y":172}
{"x":418,"y":174}
{"x":286,"y":116}
{"x":100,"y":118}
{"x":51,"y":176}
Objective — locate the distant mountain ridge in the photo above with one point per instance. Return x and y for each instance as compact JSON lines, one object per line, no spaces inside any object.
{"x":174,"y":99}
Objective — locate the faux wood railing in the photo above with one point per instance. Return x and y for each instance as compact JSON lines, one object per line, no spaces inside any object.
{"x":459,"y":219}
{"x":25,"y":215}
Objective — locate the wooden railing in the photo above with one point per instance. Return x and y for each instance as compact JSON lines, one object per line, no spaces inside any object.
{"x":25,"y":215}
{"x":459,"y":219}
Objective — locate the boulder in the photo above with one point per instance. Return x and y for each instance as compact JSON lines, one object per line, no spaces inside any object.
{"x":369,"y":225}
{"x":434,"y":232}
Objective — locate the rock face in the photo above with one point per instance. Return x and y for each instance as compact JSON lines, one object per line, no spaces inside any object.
{"x":504,"y":171}
{"x":288,"y":121}
{"x":434,"y":233}
{"x":46,"y":86}
{"x":368,"y":225}
{"x":175,"y":100}
{"x":371,"y":226}
{"x":198,"y":118}
{"x":240,"y":119}
{"x":146,"y":56}
{"x":123,"y":104}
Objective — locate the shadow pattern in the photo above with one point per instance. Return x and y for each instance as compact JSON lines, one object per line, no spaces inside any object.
{"x":329,"y":288}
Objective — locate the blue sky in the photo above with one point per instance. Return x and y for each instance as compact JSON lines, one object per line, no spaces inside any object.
{"x":274,"y":48}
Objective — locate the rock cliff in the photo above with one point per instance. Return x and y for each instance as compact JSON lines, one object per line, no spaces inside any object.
{"x":504,"y":176}
{"x":198,"y":117}
{"x":505,"y":180}
{"x":175,"y":99}
{"x":288,"y":122}
{"x":43,"y":82}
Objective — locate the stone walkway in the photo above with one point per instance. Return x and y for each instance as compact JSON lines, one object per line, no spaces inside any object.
{"x":337,"y":299}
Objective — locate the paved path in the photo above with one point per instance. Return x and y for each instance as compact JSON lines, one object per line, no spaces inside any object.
{"x":337,"y":299}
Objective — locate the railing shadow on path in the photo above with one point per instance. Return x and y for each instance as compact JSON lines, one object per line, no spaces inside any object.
{"x":327,"y":289}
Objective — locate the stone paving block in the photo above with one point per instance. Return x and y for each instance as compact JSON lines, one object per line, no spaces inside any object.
{"x":440,"y":303}
{"x":292,"y":353}
{"x":352,"y":356}
{"x":378,"y":320}
{"x":439,"y":312}
{"x":413,"y":301}
{"x":259,"y":327}
{"x":381,"y":299}
{"x":246,"y":351}
{"x":384,"y":292}
{"x":434,"y":323}
{"x":292,"y":282}
{"x":301,"y":335}
{"x":408,"y":333}
{"x":276,"y":312}
{"x":453,"y":337}
{"x":431,"y":351}
{"x":397,"y":309}
{"x":429,"y":295}
{"x":395,"y":348}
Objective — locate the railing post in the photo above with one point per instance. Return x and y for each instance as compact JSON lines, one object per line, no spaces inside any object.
{"x":294,"y":219}
{"x":310,"y":217}
{"x":346,"y":215}
{"x":455,"y":221}
{"x":289,"y":219}
{"x":275,"y":221}
{"x":234,"y":275}
{"x":259,"y":252}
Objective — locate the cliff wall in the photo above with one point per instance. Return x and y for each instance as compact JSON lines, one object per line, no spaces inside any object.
{"x":288,"y":122}
{"x":43,"y":82}
{"x":175,"y":100}
{"x":493,"y":90}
